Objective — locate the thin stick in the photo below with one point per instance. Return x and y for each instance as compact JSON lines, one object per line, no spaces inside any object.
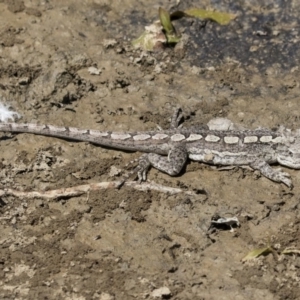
{"x":83,"y":189}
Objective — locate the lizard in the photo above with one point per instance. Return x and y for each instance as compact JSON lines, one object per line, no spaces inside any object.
{"x":168,"y":150}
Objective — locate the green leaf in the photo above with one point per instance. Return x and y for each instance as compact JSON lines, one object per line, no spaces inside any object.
{"x":162,"y":32}
{"x":165,"y":21}
{"x":219,"y":17}
{"x":257,"y":252}
{"x":169,"y":29}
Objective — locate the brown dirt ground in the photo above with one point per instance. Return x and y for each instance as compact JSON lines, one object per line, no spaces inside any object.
{"x":92,"y":247}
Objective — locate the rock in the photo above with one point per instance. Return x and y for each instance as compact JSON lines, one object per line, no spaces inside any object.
{"x":163,"y":292}
{"x":106,"y":296}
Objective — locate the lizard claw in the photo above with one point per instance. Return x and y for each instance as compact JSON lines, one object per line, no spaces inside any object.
{"x":142,"y":175}
{"x":283,"y":177}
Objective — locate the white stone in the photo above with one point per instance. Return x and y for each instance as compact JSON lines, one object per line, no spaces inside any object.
{"x":161,"y":292}
{"x":106,"y":296}
{"x":94,"y":71}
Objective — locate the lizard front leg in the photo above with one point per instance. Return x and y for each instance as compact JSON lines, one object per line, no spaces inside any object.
{"x":273,"y":174}
{"x":176,"y":118}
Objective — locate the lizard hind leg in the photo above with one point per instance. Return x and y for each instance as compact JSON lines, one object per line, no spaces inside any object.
{"x":274,"y":174}
{"x":171,"y":164}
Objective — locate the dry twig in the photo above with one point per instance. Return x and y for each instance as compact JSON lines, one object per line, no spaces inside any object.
{"x":86,"y":188}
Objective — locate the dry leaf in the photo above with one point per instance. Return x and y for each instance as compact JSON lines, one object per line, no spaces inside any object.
{"x":290,"y":251}
{"x":151,"y":38}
